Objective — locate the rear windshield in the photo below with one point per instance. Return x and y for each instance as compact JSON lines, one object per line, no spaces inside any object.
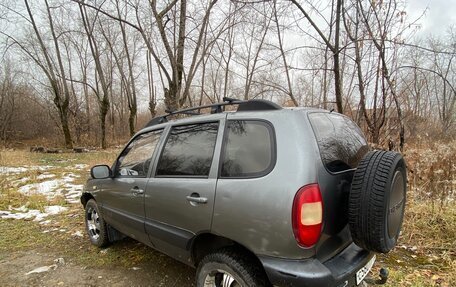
{"x":341,"y":142}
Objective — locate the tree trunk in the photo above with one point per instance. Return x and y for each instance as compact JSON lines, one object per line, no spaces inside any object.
{"x":131,"y":120}
{"x":104,"y":108}
{"x":336,"y":53}
{"x":66,"y":129}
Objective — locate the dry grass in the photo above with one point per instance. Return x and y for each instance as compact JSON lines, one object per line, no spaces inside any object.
{"x":432,"y":171}
{"x":426,"y":252}
{"x":17,"y":158}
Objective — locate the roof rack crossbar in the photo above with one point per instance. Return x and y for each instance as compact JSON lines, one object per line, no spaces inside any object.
{"x":191,"y":112}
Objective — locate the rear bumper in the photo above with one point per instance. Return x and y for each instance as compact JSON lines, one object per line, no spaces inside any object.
{"x":339,"y":271}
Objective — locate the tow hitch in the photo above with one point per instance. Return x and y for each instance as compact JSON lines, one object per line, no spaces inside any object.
{"x":383,"y":277}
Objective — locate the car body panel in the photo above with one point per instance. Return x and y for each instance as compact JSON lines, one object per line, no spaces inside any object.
{"x":123,"y":208}
{"x":256,"y":212}
{"x":170,"y":219}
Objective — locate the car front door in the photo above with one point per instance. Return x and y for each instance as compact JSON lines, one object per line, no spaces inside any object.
{"x":180,"y":198}
{"x":123,"y":195}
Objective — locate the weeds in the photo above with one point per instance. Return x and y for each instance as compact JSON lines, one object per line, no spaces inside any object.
{"x":432,"y":173}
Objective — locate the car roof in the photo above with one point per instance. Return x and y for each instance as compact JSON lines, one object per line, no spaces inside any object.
{"x":216,"y":116}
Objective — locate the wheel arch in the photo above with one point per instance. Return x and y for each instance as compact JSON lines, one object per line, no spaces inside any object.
{"x":85,"y":197}
{"x":206,"y":243}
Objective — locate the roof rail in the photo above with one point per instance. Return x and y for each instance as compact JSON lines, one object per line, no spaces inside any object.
{"x":250,"y":105}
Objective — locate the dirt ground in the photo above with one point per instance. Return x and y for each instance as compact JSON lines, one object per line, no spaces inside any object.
{"x":65,"y":271}
{"x":58,"y":242}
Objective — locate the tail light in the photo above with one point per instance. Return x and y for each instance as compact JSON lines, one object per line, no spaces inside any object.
{"x":307,"y":215}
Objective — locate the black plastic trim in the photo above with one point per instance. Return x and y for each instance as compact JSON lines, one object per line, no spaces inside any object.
{"x":176,"y":236}
{"x":337,"y":271}
{"x":258,"y":105}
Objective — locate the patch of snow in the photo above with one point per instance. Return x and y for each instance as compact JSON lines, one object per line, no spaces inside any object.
{"x":69,"y":177}
{"x":45,"y":188}
{"x":21,"y":169}
{"x":42,"y":167}
{"x":12,"y":170}
{"x":23,"y":208}
{"x":50,"y":230}
{"x":54,"y":209}
{"x":20,"y":181}
{"x":45,"y":176}
{"x":51,"y":188}
{"x":60,"y":261}
{"x":78,"y":234}
{"x":80,"y":166}
{"x":72,"y":192}
{"x":42,"y":269}
{"x":34,"y":214}
{"x":135,"y":268}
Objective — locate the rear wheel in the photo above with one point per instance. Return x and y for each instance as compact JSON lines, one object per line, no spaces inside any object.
{"x":230,"y":268}
{"x":377,"y":201}
{"x":95,"y":225}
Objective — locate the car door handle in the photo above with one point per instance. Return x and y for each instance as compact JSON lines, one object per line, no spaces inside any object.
{"x":136,"y":190}
{"x":196,"y":199}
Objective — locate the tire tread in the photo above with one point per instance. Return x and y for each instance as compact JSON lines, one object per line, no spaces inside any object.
{"x":368,"y":199}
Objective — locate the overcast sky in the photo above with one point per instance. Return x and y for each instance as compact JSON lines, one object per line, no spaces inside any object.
{"x":440,"y":14}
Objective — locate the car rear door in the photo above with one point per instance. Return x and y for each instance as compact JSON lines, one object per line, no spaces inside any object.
{"x":122,"y":198}
{"x":180,"y":197}
{"x":341,"y":146}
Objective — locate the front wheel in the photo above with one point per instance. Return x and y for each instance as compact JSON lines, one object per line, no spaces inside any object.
{"x":95,"y":225}
{"x":228,"y":268}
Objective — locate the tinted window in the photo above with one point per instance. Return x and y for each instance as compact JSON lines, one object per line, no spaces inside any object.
{"x":341,"y":142}
{"x":188,"y":150}
{"x":135,"y":159}
{"x":249,"y":149}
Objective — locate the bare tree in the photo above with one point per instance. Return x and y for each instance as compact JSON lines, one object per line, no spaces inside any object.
{"x":332,"y":44}
{"x":283,"y":55}
{"x":7,"y":100}
{"x":101,"y":79}
{"x":42,"y":56}
{"x":378,"y":26}
{"x":375,"y":117}
{"x":173,"y":13}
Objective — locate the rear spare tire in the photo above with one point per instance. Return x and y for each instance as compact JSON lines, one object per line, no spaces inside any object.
{"x":377,"y":201}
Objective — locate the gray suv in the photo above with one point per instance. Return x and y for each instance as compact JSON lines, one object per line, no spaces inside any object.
{"x":258,"y":196}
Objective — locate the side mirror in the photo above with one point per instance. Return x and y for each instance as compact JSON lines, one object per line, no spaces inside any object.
{"x":101,"y":172}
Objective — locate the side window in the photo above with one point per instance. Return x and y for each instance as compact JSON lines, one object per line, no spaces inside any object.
{"x":135,"y":159}
{"x":249,"y":149}
{"x":341,"y":142}
{"x":188,"y":150}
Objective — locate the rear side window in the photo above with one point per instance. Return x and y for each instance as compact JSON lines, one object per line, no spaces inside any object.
{"x":341,"y":142}
{"x":249,"y":149}
{"x":188,"y":150}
